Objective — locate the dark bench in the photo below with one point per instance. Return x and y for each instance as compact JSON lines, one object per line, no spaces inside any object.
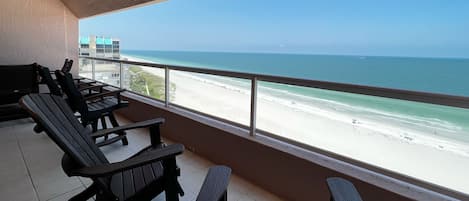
{"x":15,"y":82}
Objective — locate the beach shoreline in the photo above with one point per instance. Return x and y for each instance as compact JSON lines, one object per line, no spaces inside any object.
{"x":324,"y":128}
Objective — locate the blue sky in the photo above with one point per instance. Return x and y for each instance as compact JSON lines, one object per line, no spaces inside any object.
{"x":429,"y":28}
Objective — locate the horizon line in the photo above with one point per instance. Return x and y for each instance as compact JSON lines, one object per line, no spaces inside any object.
{"x":302,"y":53}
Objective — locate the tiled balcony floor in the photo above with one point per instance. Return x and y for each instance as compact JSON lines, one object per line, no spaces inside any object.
{"x":30,"y":167}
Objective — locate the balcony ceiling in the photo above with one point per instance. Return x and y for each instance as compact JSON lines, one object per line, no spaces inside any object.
{"x":88,"y":8}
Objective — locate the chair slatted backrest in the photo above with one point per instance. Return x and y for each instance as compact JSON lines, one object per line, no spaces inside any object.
{"x":60,"y":124}
{"x":67,"y":67}
{"x":75,"y":98}
{"x":54,"y":89}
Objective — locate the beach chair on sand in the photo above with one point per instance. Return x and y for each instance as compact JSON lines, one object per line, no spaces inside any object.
{"x":342,"y":190}
{"x":143,"y":176}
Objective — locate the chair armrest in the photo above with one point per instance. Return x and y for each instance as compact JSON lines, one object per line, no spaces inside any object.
{"x":151,"y":156}
{"x":342,"y":190}
{"x":215,"y":184}
{"x":100,"y":87}
{"x":141,"y":124}
{"x":108,"y":93}
{"x":79,"y":84}
{"x":83,"y":79}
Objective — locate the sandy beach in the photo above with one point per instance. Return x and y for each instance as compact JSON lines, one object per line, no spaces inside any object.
{"x":324,"y":129}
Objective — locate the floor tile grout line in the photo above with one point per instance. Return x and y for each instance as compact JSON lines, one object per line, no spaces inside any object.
{"x":193,"y":163}
{"x":26,"y":166}
{"x":63,"y":193}
{"x":82,"y":183}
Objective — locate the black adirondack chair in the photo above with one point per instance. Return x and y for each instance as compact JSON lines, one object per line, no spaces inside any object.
{"x":342,"y":190}
{"x":47,"y":79}
{"x":141,"y":177}
{"x":67,"y":67}
{"x":94,"y":108}
{"x":86,"y":88}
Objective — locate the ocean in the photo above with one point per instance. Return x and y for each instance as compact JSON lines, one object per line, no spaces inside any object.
{"x":439,"y":126}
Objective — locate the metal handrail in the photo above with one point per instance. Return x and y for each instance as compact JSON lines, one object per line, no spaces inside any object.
{"x":424,"y":97}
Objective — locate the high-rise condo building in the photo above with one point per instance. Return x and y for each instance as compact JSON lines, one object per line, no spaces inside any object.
{"x":97,"y":46}
{"x":104,"y":47}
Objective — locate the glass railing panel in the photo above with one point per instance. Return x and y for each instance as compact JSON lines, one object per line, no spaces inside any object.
{"x":147,"y":81}
{"x":435,"y":75}
{"x":85,"y":68}
{"x":424,"y":141}
{"x":219,"y":96}
{"x":107,"y":72}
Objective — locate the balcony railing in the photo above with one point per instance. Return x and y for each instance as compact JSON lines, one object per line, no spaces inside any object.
{"x":91,"y":70}
{"x":424,"y":97}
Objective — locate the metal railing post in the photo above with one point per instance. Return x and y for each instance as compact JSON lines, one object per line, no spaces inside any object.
{"x":166,"y":86}
{"x":93,"y":69}
{"x":121,"y":75}
{"x":253,"y":106}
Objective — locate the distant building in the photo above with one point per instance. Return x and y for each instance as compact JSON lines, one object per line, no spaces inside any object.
{"x":104,"y":47}
{"x":97,"y":46}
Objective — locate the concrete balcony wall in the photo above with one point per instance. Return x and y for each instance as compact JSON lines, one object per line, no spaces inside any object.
{"x":42,"y":31}
{"x":281,"y":173}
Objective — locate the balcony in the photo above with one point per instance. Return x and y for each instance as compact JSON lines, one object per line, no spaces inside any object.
{"x":31,"y":168}
{"x":246,"y":118}
{"x":270,"y":161}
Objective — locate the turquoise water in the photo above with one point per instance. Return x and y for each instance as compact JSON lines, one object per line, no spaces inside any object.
{"x":437,"y":75}
{"x":447,"y":76}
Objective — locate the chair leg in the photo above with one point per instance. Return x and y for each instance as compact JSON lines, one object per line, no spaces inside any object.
{"x":224,"y":197}
{"x":38,"y":129}
{"x":86,"y":194}
{"x":94,"y":126}
{"x":155,"y":136}
{"x":171,"y":183}
{"x":114,"y":123}
{"x":104,"y":125}
{"x":171,"y":194}
{"x":104,"y":197}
